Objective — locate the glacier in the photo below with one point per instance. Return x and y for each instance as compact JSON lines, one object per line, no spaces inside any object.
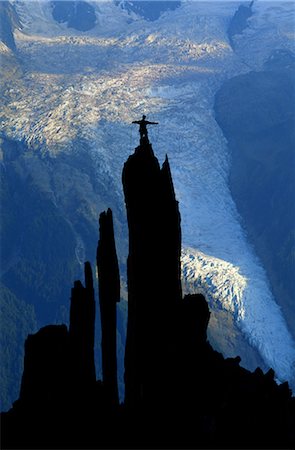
{"x":93,"y":85}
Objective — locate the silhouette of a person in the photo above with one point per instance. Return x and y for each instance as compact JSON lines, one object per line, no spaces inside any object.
{"x":142,"y":126}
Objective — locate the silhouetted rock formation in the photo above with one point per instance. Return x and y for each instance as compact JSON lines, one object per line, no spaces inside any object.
{"x":154,"y":287}
{"x":60,"y":363}
{"x":81,"y":334}
{"x":180,"y":393}
{"x":109,"y":295}
{"x":46,"y":369}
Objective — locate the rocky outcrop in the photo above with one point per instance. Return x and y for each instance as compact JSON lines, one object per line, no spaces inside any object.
{"x":81,"y":334}
{"x":46,"y":375}
{"x":109,"y":296}
{"x":154,"y":288}
{"x":59,"y":363}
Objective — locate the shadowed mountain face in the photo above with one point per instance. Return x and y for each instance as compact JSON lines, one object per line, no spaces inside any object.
{"x":32,"y":212}
{"x":79,"y":15}
{"x":9,"y":20}
{"x":149,"y":10}
{"x":256,"y":113}
{"x":18,"y":319}
{"x":239,"y":22}
{"x":179,"y":391}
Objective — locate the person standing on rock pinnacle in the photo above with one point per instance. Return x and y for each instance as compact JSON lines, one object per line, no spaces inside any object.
{"x":142,"y":126}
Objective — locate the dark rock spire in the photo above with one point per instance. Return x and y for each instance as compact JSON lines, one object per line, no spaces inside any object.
{"x":81,"y":332}
{"x":153,"y":274}
{"x":171,"y":237}
{"x":109,"y":295}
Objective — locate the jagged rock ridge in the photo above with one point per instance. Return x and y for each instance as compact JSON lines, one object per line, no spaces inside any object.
{"x":175,"y":64}
{"x":179,"y":391}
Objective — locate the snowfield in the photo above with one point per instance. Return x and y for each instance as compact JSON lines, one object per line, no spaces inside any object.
{"x":94,"y":84}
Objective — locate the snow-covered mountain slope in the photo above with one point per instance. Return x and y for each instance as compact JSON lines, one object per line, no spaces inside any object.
{"x":91,"y":85}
